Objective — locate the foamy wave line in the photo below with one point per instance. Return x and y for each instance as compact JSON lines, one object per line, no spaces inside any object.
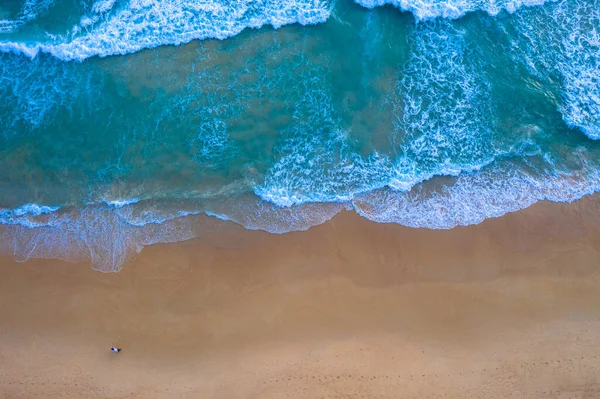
{"x":452,"y":9}
{"x":392,"y":176}
{"x":28,"y":215}
{"x":107,"y":236}
{"x":155,"y":23}
{"x":475,"y":197}
{"x":120,"y":203}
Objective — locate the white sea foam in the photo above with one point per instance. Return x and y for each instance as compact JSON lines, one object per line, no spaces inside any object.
{"x":114,"y":29}
{"x":452,"y":9}
{"x":108,"y":236}
{"x":152,"y":23}
{"x":32,"y":90}
{"x":30,"y":10}
{"x":473,"y":198}
{"x":29,"y":215}
{"x":8,"y":25}
{"x":34,"y":209}
{"x":568,"y":45}
{"x":120,"y":203}
{"x":446,"y":117}
{"x":318,"y":172}
{"x":318,"y":165}
{"x":213,"y":145}
{"x":255,"y":214}
{"x":94,"y":234}
{"x":581,"y":69}
{"x":444,"y":128}
{"x":103,"y":6}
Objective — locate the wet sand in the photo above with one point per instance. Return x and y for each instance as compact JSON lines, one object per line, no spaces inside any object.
{"x":349,"y":309}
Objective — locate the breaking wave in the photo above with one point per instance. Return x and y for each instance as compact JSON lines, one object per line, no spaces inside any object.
{"x":117,"y":28}
{"x":188,"y":146}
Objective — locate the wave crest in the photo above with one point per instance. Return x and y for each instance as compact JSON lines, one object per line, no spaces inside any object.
{"x":110,"y":29}
{"x":108,"y":236}
{"x":452,"y":9}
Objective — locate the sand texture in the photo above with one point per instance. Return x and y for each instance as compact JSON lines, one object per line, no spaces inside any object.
{"x":509,"y":308}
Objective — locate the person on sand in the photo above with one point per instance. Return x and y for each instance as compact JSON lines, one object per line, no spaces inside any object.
{"x":114,"y":349}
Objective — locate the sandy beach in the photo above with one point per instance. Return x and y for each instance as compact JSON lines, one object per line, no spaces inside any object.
{"x":509,"y":308}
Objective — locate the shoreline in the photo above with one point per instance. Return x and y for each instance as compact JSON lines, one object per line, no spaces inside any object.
{"x":349,"y":308}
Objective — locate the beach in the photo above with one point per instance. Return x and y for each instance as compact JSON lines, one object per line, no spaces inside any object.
{"x":509,"y":308}
{"x":299,"y":199}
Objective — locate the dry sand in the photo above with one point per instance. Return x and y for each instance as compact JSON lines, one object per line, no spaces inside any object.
{"x":349,"y":309}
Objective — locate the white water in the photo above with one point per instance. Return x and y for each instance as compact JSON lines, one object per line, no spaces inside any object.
{"x":111,"y":29}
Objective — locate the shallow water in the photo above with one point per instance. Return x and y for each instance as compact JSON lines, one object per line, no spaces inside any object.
{"x":118,"y":129}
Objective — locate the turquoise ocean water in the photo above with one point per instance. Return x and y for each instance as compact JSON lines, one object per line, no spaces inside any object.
{"x":125,"y":123}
